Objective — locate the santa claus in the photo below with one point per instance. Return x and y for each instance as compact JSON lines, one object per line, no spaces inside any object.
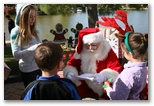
{"x":94,"y":57}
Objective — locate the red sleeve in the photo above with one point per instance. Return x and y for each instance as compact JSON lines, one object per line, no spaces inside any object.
{"x":113,"y":62}
{"x":75,"y":63}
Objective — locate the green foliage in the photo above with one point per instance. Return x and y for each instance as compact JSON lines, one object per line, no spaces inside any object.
{"x":45,"y":8}
{"x":53,"y":9}
{"x":106,"y":9}
{"x":137,"y":6}
{"x":12,"y":12}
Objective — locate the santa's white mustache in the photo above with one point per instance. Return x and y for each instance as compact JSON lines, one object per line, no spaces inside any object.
{"x":91,"y":51}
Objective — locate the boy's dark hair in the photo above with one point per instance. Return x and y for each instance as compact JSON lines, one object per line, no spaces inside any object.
{"x":48,"y":55}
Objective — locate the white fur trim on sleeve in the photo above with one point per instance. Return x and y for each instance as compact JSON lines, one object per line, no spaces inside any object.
{"x":110,"y":73}
{"x":71,"y":69}
{"x":77,"y":56}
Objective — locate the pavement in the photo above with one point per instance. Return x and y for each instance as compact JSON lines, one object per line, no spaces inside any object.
{"x":13,"y":86}
{"x":12,"y":91}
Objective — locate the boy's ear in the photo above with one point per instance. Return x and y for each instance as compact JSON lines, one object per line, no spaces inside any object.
{"x":58,"y":65}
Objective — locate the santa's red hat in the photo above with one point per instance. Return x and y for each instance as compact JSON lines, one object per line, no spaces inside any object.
{"x":87,"y":36}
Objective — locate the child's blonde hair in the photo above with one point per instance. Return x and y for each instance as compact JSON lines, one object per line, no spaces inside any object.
{"x":26,"y":31}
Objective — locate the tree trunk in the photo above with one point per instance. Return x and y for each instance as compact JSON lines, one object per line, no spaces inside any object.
{"x":92,"y":15}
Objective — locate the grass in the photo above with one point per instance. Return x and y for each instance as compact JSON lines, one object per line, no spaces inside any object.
{"x":9,"y":59}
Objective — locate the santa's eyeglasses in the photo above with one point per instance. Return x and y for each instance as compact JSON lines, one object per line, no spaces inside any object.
{"x":93,"y":46}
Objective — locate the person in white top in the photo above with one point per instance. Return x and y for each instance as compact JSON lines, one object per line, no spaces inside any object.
{"x":24,"y":40}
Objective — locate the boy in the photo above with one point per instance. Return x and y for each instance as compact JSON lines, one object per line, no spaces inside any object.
{"x":50,"y":86}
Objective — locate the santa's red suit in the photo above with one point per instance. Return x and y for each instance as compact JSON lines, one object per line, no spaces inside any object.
{"x":103,"y":60}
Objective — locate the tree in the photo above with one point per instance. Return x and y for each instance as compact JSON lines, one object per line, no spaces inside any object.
{"x":92,"y":15}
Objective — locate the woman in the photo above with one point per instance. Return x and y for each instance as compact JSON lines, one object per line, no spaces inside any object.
{"x":24,"y":40}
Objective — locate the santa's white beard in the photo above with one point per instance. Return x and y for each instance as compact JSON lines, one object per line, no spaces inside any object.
{"x":88,"y":65}
{"x":88,"y":62}
{"x":89,"y":58}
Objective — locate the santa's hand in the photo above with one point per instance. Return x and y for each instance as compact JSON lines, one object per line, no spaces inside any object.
{"x":72,"y":76}
{"x":99,"y":78}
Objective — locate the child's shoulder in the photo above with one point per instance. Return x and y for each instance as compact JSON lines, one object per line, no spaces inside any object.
{"x":67,"y":80}
{"x":60,"y":82}
{"x":59,"y":86}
